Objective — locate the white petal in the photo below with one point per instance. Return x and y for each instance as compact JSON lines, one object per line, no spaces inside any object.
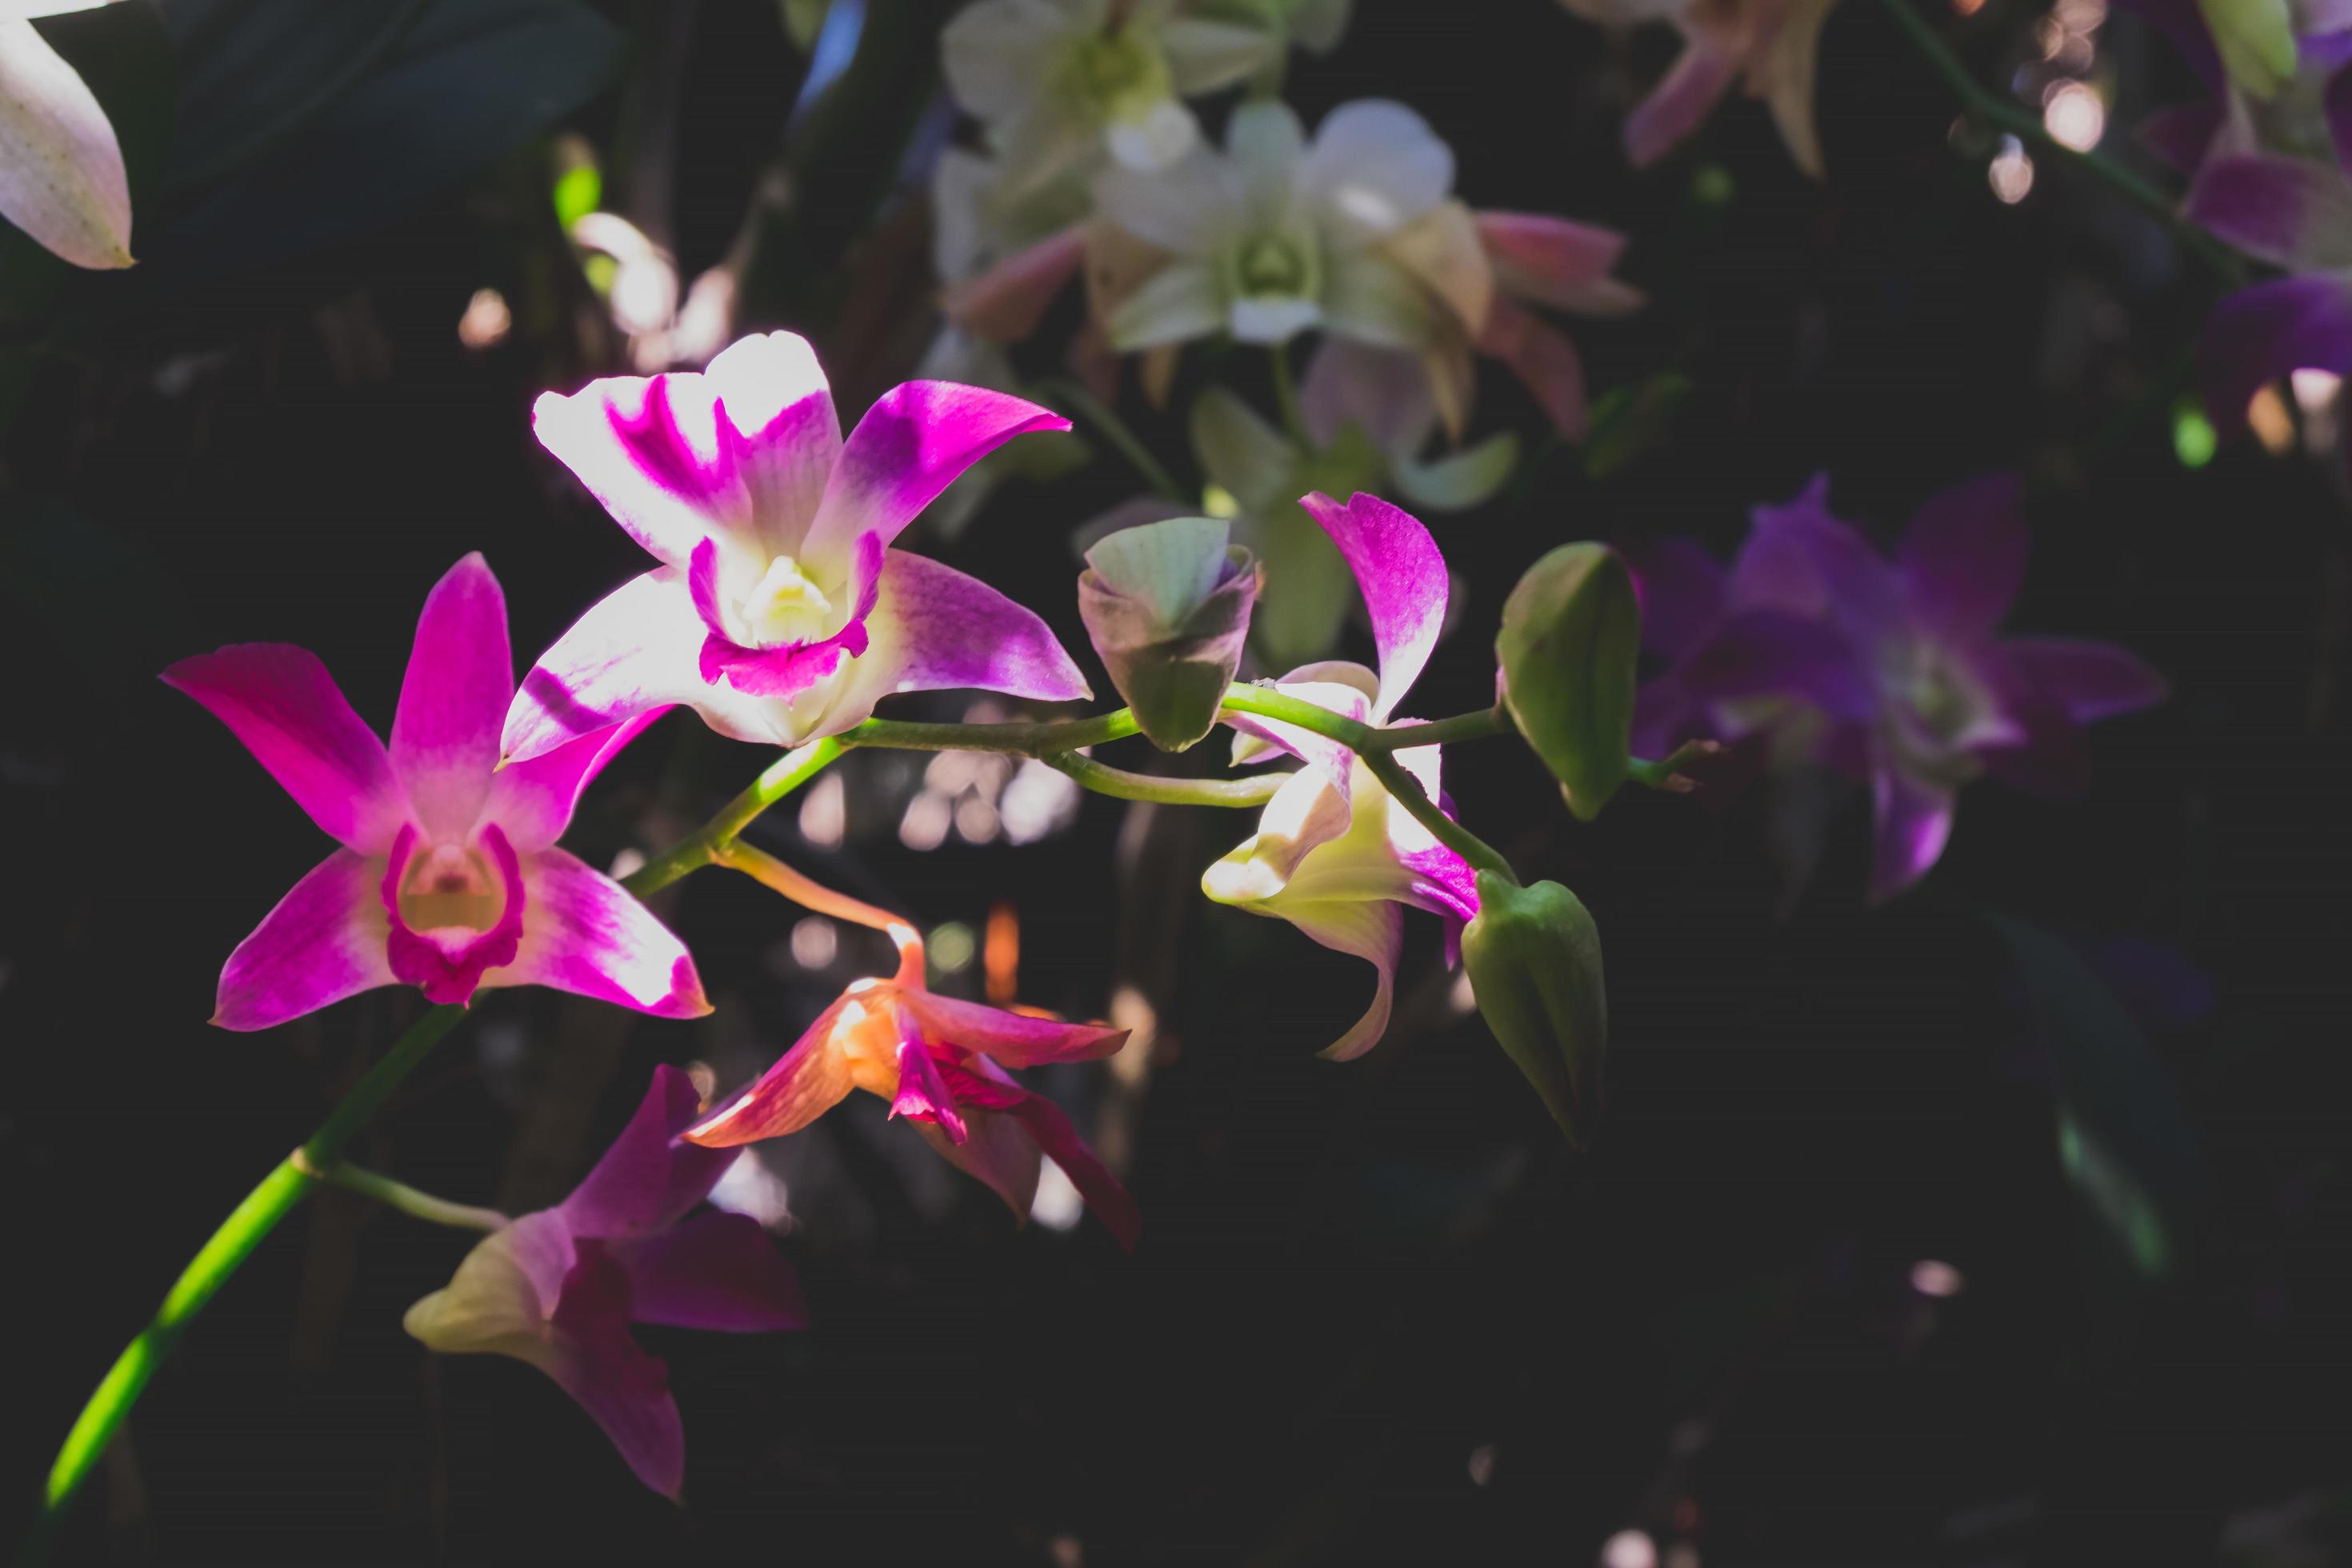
{"x":1375,"y":166}
{"x":61,"y":176}
{"x":1177,"y":302}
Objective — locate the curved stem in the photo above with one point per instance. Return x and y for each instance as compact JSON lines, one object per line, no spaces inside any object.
{"x":1104,"y":779}
{"x":708,"y":844}
{"x":2027,"y":126}
{"x":400,"y":1195}
{"x":806,"y":891}
{"x":1107,"y":424}
{"x":1409,"y":793}
{"x":1025,"y":740}
{"x":1266,"y":702}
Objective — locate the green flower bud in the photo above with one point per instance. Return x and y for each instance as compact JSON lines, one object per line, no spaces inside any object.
{"x":1167,"y":605}
{"x":1571,"y":631}
{"x":1534,"y":960}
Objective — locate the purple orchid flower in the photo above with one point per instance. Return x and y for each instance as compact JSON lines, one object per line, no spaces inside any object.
{"x":1334,"y":853}
{"x":559,"y":1287}
{"x":779,"y":612}
{"x":448,"y":878}
{"x":1887,"y":670}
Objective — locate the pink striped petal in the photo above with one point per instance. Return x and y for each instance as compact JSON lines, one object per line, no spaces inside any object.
{"x":453,"y":701}
{"x":448,"y":963}
{"x":281,"y":702}
{"x":934,"y":628}
{"x":712,"y":1271}
{"x":1402,"y":575}
{"x":1552,"y":260}
{"x":1963,"y":557}
{"x":588,"y":935}
{"x":648,"y":1178}
{"x":912,"y":444}
{"x":638,"y":649}
{"x":778,"y":428}
{"x":1013,"y":1038}
{"x":805,"y":1083}
{"x":324,"y":941}
{"x":780,"y":671}
{"x":532,"y":801}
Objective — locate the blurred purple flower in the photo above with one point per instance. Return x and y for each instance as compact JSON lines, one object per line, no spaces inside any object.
{"x":1890,"y":671}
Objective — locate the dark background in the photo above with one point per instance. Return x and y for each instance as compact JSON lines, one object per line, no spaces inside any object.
{"x":1378,"y":1313}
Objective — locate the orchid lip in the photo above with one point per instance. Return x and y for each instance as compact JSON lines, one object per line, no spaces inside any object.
{"x":451,"y":922}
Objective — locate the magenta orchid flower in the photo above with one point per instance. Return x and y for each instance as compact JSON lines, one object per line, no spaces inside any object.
{"x":779,"y":611}
{"x":940,"y":1064}
{"x":1334,"y":853}
{"x":448,"y":878}
{"x":559,"y":1287}
{"x":1892,"y":671}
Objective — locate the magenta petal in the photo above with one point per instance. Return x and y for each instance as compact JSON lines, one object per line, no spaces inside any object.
{"x":803,"y":1084}
{"x":777,"y":430}
{"x":1403,"y":576}
{"x":648,"y":1178}
{"x":588,"y":935}
{"x":1045,"y":1123}
{"x":453,"y":701}
{"x":1012,"y":1038}
{"x":447,"y":964}
{"x":532,"y":801}
{"x":650,"y":451}
{"x":1963,"y":558}
{"x":324,"y":941}
{"x":934,"y":628}
{"x":2087,"y":680}
{"x":782,"y":671}
{"x":2290,"y":212}
{"x":627,"y":1392}
{"x":1865,"y":593}
{"x":1913,"y":818}
{"x":912,"y":444}
{"x":281,"y":702}
{"x":2257,"y":335}
{"x":712,"y":1271}
{"x":921,"y":1096}
{"x":1759,"y":653}
{"x":1680,"y":588}
{"x":1696,"y":82}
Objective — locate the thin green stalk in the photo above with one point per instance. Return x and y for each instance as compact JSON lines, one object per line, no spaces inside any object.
{"x":1266,"y":702}
{"x":708,"y":844}
{"x":2027,"y":126}
{"x":400,"y":1195}
{"x":1107,"y":424}
{"x":1024,"y":740}
{"x":1104,"y":779}
{"x":1409,"y":793}
{"x":1285,"y":397}
{"x":1475,"y":725}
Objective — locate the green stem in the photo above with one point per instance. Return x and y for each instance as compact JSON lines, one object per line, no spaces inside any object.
{"x":2027,"y":126}
{"x":1445,"y":829}
{"x":707,"y":845}
{"x":1025,"y":740}
{"x":1107,"y":424}
{"x":1475,"y":725}
{"x":1103,"y":779}
{"x":1285,"y":397}
{"x":400,"y":1195}
{"x":1266,"y":702}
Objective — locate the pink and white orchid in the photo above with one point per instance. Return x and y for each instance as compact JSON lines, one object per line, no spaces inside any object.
{"x":559,"y":1287}
{"x":779,"y":612}
{"x":1334,"y":853}
{"x":61,"y":175}
{"x":940,"y":1064}
{"x":448,"y":878}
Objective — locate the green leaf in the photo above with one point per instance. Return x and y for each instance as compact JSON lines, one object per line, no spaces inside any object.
{"x":1572,"y":632}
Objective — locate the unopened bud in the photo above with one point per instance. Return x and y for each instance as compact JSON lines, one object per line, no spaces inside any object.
{"x":1534,"y":961}
{"x":1167,"y":605}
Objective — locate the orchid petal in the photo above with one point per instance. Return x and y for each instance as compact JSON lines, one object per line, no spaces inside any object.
{"x":637,"y":650}
{"x":1676,"y":107}
{"x":1543,"y":359}
{"x":502,"y":1294}
{"x":1865,"y":593}
{"x":921,"y":1097}
{"x":1552,"y":260}
{"x":587,"y":934}
{"x":648,"y":1178}
{"x":281,"y":701}
{"x":995,"y":54}
{"x":1782,"y":75}
{"x":649,"y":450}
{"x":448,"y":963}
{"x":1337,"y":685}
{"x":803,"y":1084}
{"x":1963,"y":558}
{"x":1759,"y":653}
{"x":453,"y":698}
{"x":1383,"y":391}
{"x":533,"y":800}
{"x":1369,"y":297}
{"x":2257,"y":335}
{"x":1306,"y":813}
{"x":1176,"y":304}
{"x":1402,"y":575}
{"x":998,"y":1151}
{"x":2087,"y":680}
{"x":2288,"y":211}
{"x":623,"y":1389}
{"x":1206,"y":56}
{"x":1048,"y":1127}
{"x":61,"y":176}
{"x":1914,"y":820}
{"x":1005,"y":303}
{"x":1375,"y":166}
{"x":1013,"y":1038}
{"x":713,"y":1271}
{"x":1369,"y":929}
{"x":1181,"y":208}
{"x":324,"y":941}
{"x":1681,"y":589}
{"x":778,"y":430}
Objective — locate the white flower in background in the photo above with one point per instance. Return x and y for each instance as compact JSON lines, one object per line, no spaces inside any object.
{"x":1276,"y":235}
{"x":1058,"y":83}
{"x":62,"y":177}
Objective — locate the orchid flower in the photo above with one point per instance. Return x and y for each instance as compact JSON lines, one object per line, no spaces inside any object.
{"x":1334,"y":853}
{"x":778,"y":612}
{"x":1060,"y":83}
{"x":1773,"y":44}
{"x":940,"y":1063}
{"x":448,"y":878}
{"x":559,"y":1287}
{"x":61,"y":175}
{"x":1889,"y":670}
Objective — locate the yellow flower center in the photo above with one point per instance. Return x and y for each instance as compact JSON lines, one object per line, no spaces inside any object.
{"x":451,"y":887}
{"x":785,"y":607}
